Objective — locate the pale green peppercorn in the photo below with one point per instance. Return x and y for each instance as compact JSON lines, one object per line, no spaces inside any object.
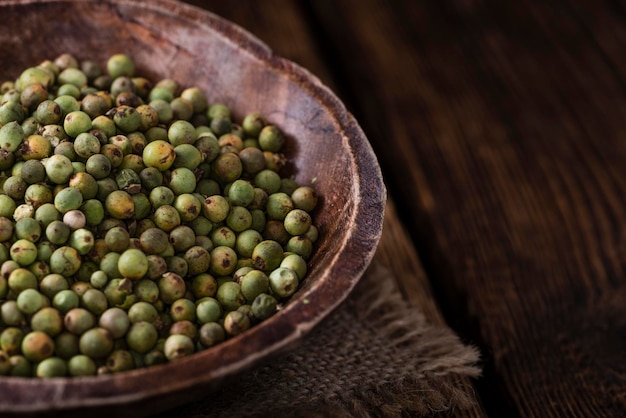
{"x":11,"y":340}
{"x":142,"y":337}
{"x":96,"y":343}
{"x":138,"y":222}
{"x":81,"y":365}
{"x":51,"y":367}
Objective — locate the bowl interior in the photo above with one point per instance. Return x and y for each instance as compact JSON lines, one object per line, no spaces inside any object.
{"x":325,"y":147}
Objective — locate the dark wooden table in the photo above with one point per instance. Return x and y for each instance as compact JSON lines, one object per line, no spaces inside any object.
{"x":500,"y":127}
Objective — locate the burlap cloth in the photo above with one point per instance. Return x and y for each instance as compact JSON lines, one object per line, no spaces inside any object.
{"x":374,"y":356}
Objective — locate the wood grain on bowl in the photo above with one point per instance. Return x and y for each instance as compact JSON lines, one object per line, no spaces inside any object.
{"x":325,"y":146}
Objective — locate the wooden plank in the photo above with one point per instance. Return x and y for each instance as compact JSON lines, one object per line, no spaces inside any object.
{"x":397,"y":253}
{"x":500,"y":129}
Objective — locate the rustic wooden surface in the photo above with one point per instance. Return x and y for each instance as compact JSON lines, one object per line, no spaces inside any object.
{"x":500,"y":129}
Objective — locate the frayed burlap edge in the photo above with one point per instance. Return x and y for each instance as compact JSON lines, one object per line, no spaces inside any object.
{"x":374,"y":356}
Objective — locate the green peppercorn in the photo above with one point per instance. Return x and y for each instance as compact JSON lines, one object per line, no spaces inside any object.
{"x":264,"y":306}
{"x":99,"y":166}
{"x":253,"y":284}
{"x":23,"y":251}
{"x":65,"y":300}
{"x":223,"y":260}
{"x":236,"y":322}
{"x":253,"y":123}
{"x":59,"y":169}
{"x":11,"y":314}
{"x":182,"y":180}
{"x":95,"y":301}
{"x":271,"y":138}
{"x":77,"y":122}
{"x":138,"y":223}
{"x":96,"y":343}
{"x":120,"y":65}
{"x":65,"y":260}
{"x":126,"y":118}
{"x":81,"y":365}
{"x":177,"y":265}
{"x":229,"y":295}
{"x":267,"y":255}
{"x":215,"y":208}
{"x":133,"y":264}
{"x":159,"y":101}
{"x":121,"y":84}
{"x":7,"y":206}
{"x":267,"y":180}
{"x":153,"y":240}
{"x":48,"y":112}
{"x":183,"y":310}
{"x":203,"y":285}
{"x":301,"y":245}
{"x":201,"y":226}
{"x":35,"y":147}
{"x":11,"y":340}
{"x":198,"y":260}
{"x":196,"y":97}
{"x":37,"y":346}
{"x":239,"y":219}
{"x":78,"y":321}
{"x":169,"y":85}
{"x":188,"y":206}
{"x":149,"y":117}
{"x":20,"y":366}
{"x":296,"y":263}
{"x":82,"y":240}
{"x":147,"y":290}
{"x":117,"y":239}
{"x":142,"y":337}
{"x":252,"y":160}
{"x":178,"y":346}
{"x":120,"y":204}
{"x":208,"y":309}
{"x":283,"y":282}
{"x":166,"y":217}
{"x":28,"y":228}
{"x":181,"y":132}
{"x":211,"y":333}
{"x":120,"y":361}
{"x":51,"y":367}
{"x":48,"y":320}
{"x":171,"y":287}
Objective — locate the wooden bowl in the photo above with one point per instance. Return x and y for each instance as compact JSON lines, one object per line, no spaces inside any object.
{"x":169,"y":39}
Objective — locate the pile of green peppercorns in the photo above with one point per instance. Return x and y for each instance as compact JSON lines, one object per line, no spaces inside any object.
{"x":138,"y":223}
